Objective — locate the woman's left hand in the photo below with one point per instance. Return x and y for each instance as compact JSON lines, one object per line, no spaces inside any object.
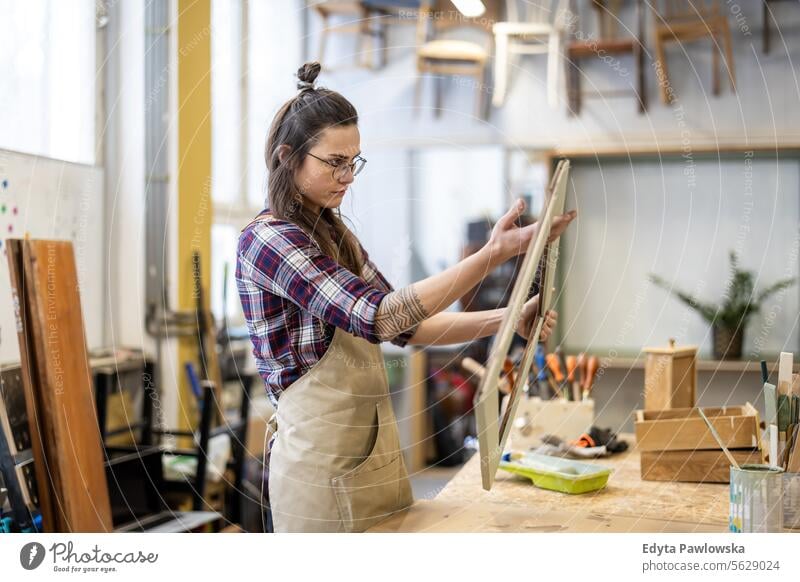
{"x":529,"y":311}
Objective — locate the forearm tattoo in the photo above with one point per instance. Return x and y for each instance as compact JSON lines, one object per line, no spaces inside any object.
{"x":399,"y":312}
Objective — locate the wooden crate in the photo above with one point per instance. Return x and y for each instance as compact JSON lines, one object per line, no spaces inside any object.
{"x":693,"y":466}
{"x":682,"y":429}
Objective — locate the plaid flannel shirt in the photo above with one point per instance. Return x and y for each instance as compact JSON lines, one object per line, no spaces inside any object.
{"x":293,"y":296}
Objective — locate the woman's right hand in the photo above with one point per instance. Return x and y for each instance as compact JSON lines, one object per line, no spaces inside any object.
{"x":508,"y":240}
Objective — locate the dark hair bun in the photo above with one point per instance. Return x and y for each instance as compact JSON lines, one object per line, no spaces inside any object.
{"x":307,"y":74}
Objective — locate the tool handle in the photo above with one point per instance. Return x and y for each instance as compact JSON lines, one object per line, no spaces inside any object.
{"x":572,"y":365}
{"x":580,"y":372}
{"x":555,"y":367}
{"x":473,"y":367}
{"x":592,"y":365}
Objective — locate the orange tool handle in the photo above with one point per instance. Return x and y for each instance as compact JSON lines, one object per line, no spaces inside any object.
{"x":555,"y":367}
{"x":572,"y":365}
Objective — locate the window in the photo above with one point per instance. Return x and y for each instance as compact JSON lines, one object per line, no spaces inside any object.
{"x":227,"y":122}
{"x":47,"y":63}
{"x":267,"y":36}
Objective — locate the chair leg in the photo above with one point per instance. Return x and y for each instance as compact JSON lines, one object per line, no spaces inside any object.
{"x":553,"y":56}
{"x":323,"y":39}
{"x":573,"y":87}
{"x":765,"y":26}
{"x":641,"y":88}
{"x":715,"y":51}
{"x":366,"y":43}
{"x":726,"y":39}
{"x":482,"y":99}
{"x":661,"y":64}
{"x":384,"y":43}
{"x":500,"y":69}
{"x":418,"y":92}
{"x":438,"y":90}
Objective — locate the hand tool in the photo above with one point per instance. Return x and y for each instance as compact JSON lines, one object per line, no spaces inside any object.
{"x":541,"y":377}
{"x":474,"y":367}
{"x":554,"y":365}
{"x":592,"y":365}
{"x":771,"y":419}
{"x":572,"y":365}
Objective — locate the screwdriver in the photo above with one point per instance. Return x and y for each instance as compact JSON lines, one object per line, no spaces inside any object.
{"x":572,"y":366}
{"x":554,"y":365}
{"x":541,"y":376}
{"x":592,"y":365}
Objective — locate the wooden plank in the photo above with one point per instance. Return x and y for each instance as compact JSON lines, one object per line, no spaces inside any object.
{"x":32,"y":371}
{"x":785,"y":373}
{"x":66,"y":387}
{"x":693,"y":466}
{"x":679,"y":413}
{"x":683,"y":429}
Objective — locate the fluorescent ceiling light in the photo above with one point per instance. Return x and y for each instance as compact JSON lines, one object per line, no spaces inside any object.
{"x":470,"y":8}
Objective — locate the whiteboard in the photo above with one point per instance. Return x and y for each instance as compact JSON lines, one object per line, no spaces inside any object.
{"x":677,"y":217}
{"x":59,"y":200}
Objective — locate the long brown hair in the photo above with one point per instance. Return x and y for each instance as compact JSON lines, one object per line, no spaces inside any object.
{"x":299,"y":124}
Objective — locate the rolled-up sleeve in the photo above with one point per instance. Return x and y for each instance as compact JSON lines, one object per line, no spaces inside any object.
{"x":281,"y":258}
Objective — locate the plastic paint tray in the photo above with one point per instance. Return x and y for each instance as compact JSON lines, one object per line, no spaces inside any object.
{"x":558,"y":474}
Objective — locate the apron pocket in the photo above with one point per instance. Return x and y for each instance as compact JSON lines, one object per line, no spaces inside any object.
{"x":368,"y":496}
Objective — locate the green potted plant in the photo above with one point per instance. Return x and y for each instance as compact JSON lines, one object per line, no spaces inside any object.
{"x":729,"y":318}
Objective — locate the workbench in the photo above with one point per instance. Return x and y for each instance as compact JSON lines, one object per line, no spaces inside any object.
{"x":626,"y":504}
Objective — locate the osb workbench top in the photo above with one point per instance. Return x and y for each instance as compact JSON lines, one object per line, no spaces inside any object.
{"x":626,"y":504}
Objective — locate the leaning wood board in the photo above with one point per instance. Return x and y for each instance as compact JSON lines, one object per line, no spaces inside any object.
{"x":31,"y":370}
{"x":62,"y":381}
{"x":694,"y":466}
{"x":682,"y":429}
{"x":492,"y":435}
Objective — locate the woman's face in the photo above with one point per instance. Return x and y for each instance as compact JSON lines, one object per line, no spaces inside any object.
{"x":315,"y":178}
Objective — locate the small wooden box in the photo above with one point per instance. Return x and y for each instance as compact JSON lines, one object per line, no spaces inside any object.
{"x":676,"y":445}
{"x":670,"y":377}
{"x":693,"y":466}
{"x":682,"y":429}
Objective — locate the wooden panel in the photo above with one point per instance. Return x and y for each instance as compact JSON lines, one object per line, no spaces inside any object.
{"x":693,"y":466}
{"x":62,"y":378}
{"x":492,"y":433}
{"x":684,"y":379}
{"x":657,"y":382}
{"x":683,"y":429}
{"x":31,"y":371}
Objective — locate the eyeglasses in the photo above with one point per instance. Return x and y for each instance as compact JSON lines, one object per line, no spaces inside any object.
{"x":340,"y":168}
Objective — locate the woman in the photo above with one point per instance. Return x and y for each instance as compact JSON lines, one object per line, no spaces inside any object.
{"x":317,"y":309}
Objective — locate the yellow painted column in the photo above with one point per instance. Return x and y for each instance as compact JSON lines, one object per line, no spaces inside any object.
{"x":195,"y":210}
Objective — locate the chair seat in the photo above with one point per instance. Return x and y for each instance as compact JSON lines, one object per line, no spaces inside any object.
{"x":522,"y":28}
{"x":453,"y":50}
{"x":591,"y":48}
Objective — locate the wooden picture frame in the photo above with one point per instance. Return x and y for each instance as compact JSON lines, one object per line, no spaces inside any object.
{"x":492,"y":431}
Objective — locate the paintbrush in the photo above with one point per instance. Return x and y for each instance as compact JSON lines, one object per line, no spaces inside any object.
{"x":719,"y":440}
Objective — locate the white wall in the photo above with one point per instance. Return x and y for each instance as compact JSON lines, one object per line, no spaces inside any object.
{"x":650,"y":217}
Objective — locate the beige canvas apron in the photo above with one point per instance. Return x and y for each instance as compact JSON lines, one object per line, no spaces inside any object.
{"x":336,"y":464}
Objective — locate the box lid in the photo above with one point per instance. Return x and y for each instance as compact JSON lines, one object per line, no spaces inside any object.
{"x":673,"y":350}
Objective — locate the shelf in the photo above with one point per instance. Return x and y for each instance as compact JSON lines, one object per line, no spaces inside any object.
{"x":702,"y":365}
